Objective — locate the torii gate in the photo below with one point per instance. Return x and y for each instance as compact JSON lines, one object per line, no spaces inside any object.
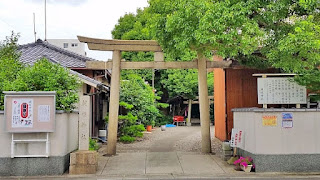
{"x":148,"y":45}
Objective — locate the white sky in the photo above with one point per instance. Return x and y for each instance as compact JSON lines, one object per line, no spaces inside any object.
{"x":65,"y":19}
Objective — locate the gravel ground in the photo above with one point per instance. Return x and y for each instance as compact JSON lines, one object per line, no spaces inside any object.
{"x":182,"y":138}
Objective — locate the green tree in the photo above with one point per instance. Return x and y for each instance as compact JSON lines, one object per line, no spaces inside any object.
{"x":9,"y":63}
{"x":138,"y":27}
{"x":299,"y":52}
{"x":47,"y":76}
{"x":205,"y":26}
{"x":283,"y":34}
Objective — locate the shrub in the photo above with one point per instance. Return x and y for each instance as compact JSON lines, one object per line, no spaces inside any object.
{"x":164,"y":119}
{"x":127,"y":139}
{"x":134,"y":130}
{"x":93,"y":145}
{"x":136,"y":92}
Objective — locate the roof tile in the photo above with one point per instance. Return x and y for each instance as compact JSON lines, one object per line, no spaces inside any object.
{"x":32,"y":52}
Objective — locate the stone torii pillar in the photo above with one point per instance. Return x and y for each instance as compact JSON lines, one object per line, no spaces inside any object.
{"x":148,"y":45}
{"x":204,"y":105}
{"x":114,"y":103}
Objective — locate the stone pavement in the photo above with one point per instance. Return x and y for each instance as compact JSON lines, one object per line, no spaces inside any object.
{"x":172,"y":154}
{"x":148,"y":163}
{"x":168,"y":165}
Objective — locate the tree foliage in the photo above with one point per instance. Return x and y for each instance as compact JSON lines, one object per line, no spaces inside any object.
{"x":283,"y":34}
{"x":42,"y":76}
{"x":184,"y":82}
{"x":9,"y":63}
{"x":138,"y":27}
{"x":300,"y":53}
{"x":47,"y":76}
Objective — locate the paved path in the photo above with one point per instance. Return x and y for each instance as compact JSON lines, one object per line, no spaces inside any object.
{"x":175,"y":151}
{"x":173,"y":154}
{"x":182,"y":138}
{"x":150,"y":163}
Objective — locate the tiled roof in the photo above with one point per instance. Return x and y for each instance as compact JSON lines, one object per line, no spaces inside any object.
{"x":32,"y":52}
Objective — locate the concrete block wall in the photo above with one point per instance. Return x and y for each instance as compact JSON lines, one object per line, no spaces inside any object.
{"x":278,"y":149}
{"x":63,"y":141}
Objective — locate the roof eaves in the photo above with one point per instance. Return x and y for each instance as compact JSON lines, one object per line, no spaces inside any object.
{"x":90,"y":81}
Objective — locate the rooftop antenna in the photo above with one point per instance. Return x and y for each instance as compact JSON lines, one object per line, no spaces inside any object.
{"x":45,"y":20}
{"x":34,"y":27}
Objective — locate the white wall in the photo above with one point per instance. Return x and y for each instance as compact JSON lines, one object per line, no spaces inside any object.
{"x":303,"y":138}
{"x":63,"y":140}
{"x":79,"y":49}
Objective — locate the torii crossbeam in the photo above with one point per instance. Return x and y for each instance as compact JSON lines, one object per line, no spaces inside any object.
{"x":148,"y":45}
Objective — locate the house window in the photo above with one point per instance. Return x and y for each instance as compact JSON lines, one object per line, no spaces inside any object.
{"x":65,"y":45}
{"x":74,"y":44}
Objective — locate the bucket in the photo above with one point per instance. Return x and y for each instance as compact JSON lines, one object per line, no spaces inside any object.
{"x":149,"y":128}
{"x":102,"y":134}
{"x":163,"y":127}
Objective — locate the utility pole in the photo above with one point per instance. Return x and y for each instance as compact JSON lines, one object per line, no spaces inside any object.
{"x":45,"y":20}
{"x":34,"y":27}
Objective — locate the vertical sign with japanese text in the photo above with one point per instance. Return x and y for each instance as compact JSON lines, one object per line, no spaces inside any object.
{"x":236,"y":138}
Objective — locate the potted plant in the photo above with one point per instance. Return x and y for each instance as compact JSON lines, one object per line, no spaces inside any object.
{"x":245,"y":163}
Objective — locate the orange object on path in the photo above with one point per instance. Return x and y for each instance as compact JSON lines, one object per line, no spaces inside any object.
{"x":149,"y":128}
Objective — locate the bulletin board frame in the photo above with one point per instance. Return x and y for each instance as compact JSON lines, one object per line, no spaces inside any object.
{"x":280,"y":90}
{"x":39,"y":106}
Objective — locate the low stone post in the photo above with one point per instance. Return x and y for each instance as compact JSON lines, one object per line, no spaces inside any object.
{"x":84,"y":161}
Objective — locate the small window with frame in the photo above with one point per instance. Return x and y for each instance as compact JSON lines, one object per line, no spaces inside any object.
{"x":65,"y":45}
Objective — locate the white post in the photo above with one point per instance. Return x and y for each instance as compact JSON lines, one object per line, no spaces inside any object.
{"x":12,"y":146}
{"x":48,"y":145}
{"x":189,"y":112}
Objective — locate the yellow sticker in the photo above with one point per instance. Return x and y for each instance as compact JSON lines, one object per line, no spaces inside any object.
{"x":269,"y":120}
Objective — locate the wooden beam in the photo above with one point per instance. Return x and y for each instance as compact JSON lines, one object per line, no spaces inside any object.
{"x":120,"y":45}
{"x":100,"y":65}
{"x":124,"y":47}
{"x":117,"y":42}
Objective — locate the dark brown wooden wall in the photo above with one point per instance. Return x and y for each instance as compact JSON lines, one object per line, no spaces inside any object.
{"x":241,"y":91}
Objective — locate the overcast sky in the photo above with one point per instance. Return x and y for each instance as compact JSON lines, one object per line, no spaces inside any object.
{"x":65,"y":19}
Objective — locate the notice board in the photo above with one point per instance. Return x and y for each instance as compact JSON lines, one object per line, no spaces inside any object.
{"x":280,"y":91}
{"x":29,"y":111}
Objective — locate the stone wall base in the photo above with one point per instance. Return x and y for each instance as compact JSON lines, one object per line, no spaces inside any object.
{"x":83,"y":162}
{"x":284,"y":162}
{"x":55,"y":165}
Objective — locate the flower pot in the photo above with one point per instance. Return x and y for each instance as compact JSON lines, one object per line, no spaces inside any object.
{"x":246,"y":169}
{"x":149,"y":128}
{"x":163,"y":127}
